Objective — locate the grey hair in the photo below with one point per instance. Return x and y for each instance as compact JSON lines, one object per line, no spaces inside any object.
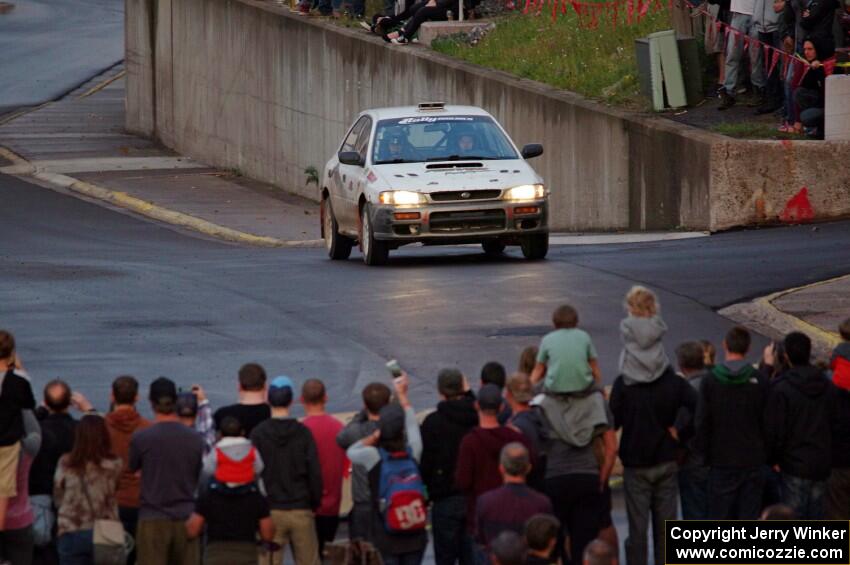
{"x":514,"y":459}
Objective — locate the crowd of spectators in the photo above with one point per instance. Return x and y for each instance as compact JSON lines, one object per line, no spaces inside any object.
{"x":512,"y":471}
{"x":807,"y":30}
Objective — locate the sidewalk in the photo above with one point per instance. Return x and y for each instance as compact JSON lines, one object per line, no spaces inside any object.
{"x":79,"y":143}
{"x":814,"y":309}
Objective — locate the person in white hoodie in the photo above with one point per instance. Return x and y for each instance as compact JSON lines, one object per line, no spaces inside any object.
{"x":742,"y":22}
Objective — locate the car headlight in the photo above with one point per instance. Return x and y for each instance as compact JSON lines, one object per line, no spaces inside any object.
{"x":525,"y":192}
{"x":401,"y":197}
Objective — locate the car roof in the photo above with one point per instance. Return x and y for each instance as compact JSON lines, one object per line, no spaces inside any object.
{"x":411,"y":111}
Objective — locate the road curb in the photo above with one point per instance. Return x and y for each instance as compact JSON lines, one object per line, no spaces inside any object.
{"x":764,"y":316}
{"x":22,"y":167}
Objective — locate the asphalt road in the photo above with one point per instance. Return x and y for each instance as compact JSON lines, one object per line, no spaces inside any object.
{"x":92,"y":293}
{"x":51,"y":46}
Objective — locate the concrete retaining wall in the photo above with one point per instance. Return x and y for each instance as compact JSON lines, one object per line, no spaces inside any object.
{"x":244,"y":84}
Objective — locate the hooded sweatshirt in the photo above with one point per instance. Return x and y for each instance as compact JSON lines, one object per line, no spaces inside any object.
{"x":797,"y":423}
{"x":442,"y":432}
{"x":291,"y":475}
{"x":840,"y":365}
{"x":730,"y":416}
{"x":642,"y":359}
{"x":121,"y":425}
{"x":478,"y":463}
{"x":234,"y":453}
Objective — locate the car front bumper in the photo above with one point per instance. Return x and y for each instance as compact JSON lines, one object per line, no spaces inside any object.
{"x":455,"y":222}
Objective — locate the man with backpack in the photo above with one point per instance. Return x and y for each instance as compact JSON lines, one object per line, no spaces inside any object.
{"x":390,"y":455}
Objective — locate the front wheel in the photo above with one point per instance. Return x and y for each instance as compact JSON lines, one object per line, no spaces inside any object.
{"x":535,"y":246}
{"x":375,"y":251}
{"x":337,"y":245}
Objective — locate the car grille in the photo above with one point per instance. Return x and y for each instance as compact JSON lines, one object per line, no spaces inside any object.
{"x":467,"y":221}
{"x":457,"y":195}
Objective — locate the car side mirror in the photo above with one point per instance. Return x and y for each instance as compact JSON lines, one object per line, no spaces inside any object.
{"x":350,"y":158}
{"x":532,"y":150}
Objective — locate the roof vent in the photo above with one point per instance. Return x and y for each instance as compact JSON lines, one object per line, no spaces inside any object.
{"x":432,"y":106}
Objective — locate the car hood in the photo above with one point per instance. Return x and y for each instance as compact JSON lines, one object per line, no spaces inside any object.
{"x":458,"y":175}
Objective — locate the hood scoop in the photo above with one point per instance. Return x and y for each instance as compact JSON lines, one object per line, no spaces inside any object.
{"x":438,"y":166}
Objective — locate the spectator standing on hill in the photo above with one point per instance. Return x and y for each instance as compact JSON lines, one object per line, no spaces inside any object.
{"x":566,"y":361}
{"x":798,"y":429}
{"x":397,"y":441}
{"x":442,"y":432}
{"x":332,"y":459}
{"x":292,"y":475}
{"x":16,"y":540}
{"x":730,"y":432}
{"x":693,"y":473}
{"x":766,"y":17}
{"x":477,"y":469}
{"x":541,"y":537}
{"x":122,"y":423}
{"x":646,"y":400}
{"x":169,"y":456}
{"x":741,"y":21}
{"x":15,"y":397}
{"x":510,"y":506}
{"x":362,"y":425}
{"x":252,"y":407}
{"x":84,"y":490}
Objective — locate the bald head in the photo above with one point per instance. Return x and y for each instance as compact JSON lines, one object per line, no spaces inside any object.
{"x":57,"y":396}
{"x":514,"y":460}
{"x":599,"y":552}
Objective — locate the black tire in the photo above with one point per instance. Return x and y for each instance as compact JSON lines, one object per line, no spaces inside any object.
{"x":337,"y":245}
{"x":493,"y":247}
{"x":535,"y":246}
{"x":375,"y":251}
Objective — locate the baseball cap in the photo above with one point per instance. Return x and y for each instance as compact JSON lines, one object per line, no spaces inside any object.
{"x":519,"y":385}
{"x":187,"y":405}
{"x":391,"y":422}
{"x":490,"y":397}
{"x":281,"y":392}
{"x":162,"y":390}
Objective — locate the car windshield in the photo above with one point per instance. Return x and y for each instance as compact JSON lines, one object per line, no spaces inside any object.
{"x":439,"y":138}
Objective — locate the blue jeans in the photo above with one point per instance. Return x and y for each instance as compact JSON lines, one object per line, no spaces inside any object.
{"x":75,"y":548}
{"x":693,"y":492}
{"x":735,"y":53}
{"x":448,"y":526}
{"x":804,"y":496}
{"x":412,"y":558}
{"x":735,"y":493}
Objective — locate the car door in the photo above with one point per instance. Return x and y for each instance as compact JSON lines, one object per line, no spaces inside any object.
{"x":345,"y":180}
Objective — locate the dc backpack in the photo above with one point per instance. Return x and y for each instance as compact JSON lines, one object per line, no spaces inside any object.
{"x":401,"y":493}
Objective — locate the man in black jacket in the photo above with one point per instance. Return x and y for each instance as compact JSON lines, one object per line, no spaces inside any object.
{"x":442,"y":432}
{"x":647,"y":411}
{"x":730,"y":432}
{"x":797,"y":429}
{"x":291,"y":475}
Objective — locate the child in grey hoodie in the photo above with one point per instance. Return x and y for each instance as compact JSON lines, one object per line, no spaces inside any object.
{"x":234,"y":460}
{"x":643,"y":358}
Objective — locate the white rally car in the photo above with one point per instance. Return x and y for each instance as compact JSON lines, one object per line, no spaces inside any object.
{"x":433,"y":174}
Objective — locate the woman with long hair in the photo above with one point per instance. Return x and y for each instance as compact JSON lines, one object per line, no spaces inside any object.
{"x":84,"y":490}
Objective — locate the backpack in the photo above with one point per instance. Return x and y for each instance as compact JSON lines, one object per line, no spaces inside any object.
{"x":401,"y":493}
